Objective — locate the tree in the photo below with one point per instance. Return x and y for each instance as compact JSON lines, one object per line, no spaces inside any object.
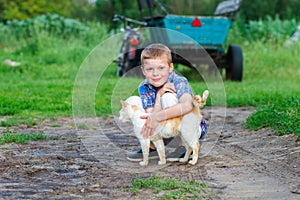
{"x":23,"y":9}
{"x":84,"y":10}
{"x":106,"y":9}
{"x":258,"y":9}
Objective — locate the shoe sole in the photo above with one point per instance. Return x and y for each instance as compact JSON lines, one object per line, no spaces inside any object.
{"x":203,"y":140}
{"x":173,"y":159}
{"x":140,"y":159}
{"x":134,"y":159}
{"x":177,"y":159}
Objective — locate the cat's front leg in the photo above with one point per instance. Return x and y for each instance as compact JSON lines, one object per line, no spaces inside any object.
{"x":196,"y":148}
{"x":160,"y":148}
{"x":145,"y":144}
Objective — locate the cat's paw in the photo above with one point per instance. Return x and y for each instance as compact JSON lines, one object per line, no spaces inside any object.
{"x":162,"y":162}
{"x":192,"y":162}
{"x":144,"y":163}
{"x":173,"y":159}
{"x":183,"y":160}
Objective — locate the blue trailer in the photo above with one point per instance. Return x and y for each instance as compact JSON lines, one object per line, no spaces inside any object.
{"x":189,"y":36}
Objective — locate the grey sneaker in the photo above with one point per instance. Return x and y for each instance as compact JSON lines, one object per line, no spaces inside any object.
{"x":177,"y":154}
{"x":138,"y":156}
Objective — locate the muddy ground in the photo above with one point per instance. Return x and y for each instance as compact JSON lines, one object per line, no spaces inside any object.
{"x":87,"y":160}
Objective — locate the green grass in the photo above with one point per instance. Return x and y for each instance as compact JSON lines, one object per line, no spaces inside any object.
{"x":21,"y":138}
{"x":172,"y":188}
{"x":42,"y":86}
{"x":282,"y":116}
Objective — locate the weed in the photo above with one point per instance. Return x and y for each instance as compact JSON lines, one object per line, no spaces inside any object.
{"x":283,"y":117}
{"x":21,"y":137}
{"x":55,"y":125}
{"x":170,"y":188}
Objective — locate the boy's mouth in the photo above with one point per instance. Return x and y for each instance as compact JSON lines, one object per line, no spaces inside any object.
{"x":156,"y":79}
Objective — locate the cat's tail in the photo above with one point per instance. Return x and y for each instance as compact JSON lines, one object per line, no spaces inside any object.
{"x":199,"y":101}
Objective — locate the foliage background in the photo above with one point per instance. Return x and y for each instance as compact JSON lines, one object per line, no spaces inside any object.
{"x":51,"y":47}
{"x":103,"y":10}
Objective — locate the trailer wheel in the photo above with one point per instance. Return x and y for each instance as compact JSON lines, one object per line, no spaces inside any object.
{"x":234,"y":70}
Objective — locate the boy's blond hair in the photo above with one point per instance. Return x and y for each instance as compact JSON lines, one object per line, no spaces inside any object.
{"x":156,"y":50}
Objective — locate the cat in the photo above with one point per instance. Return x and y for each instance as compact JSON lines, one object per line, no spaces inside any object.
{"x":186,"y":126}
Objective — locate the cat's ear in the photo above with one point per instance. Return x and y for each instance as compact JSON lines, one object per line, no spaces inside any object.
{"x":124,"y":103}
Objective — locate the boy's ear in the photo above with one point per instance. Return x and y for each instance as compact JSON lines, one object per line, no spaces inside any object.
{"x":143,"y":70}
{"x":171,"y":67}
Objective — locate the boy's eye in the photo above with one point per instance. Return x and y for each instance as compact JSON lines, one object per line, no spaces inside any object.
{"x":149,"y":69}
{"x":162,"y":67}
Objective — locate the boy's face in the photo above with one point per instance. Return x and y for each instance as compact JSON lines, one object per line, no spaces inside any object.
{"x":157,"y":70}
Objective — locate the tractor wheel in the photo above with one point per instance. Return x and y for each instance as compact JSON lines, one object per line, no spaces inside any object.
{"x":120,"y":71}
{"x":132,"y":66}
{"x":234,"y":70}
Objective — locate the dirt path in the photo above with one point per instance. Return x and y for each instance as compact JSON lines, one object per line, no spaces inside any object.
{"x":90,"y":163}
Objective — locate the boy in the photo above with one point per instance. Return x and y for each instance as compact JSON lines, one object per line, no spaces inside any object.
{"x":164,"y":95}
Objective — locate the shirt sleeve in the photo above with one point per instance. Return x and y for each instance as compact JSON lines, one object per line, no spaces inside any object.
{"x":182,"y":86}
{"x":147,"y":97}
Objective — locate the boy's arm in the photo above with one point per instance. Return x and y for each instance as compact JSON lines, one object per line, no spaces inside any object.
{"x":183,"y":107}
{"x":157,"y":107}
{"x":168,"y":87}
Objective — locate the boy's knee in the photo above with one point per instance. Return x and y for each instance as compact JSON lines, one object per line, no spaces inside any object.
{"x":168,"y":100}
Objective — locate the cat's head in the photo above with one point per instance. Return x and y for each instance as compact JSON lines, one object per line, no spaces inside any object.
{"x":127,"y":111}
{"x":124,"y":112}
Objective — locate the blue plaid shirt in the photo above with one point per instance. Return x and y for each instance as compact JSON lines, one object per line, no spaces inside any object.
{"x":148,"y":92}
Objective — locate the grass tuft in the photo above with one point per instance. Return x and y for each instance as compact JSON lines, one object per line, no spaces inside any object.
{"x":283,"y":117}
{"x":21,"y":137}
{"x":170,"y":188}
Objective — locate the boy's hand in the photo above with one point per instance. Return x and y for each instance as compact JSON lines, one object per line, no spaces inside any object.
{"x":168,"y":87}
{"x":149,"y":126}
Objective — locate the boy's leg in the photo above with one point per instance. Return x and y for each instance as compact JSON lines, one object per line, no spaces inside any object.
{"x":168,"y":100}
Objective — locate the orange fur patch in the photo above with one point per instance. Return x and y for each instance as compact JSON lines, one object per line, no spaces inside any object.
{"x":134,"y":108}
{"x":175,"y":122}
{"x":195,"y":110}
{"x":197,"y":148}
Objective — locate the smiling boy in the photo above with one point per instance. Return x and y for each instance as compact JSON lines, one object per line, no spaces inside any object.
{"x":163,"y":93}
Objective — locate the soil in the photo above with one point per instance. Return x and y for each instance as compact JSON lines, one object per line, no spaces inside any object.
{"x":87,"y":160}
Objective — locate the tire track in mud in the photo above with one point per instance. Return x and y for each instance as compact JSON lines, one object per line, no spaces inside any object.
{"x":264,"y":165}
{"x":242,"y":165}
{"x":252,"y":165}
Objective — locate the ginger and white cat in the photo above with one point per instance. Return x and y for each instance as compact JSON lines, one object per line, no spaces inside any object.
{"x":186,"y":126}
